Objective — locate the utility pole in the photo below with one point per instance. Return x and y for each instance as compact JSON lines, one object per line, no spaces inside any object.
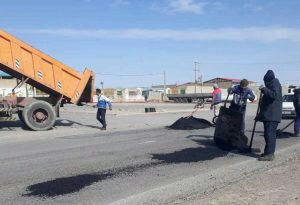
{"x":165,"y":86}
{"x":196,"y":70}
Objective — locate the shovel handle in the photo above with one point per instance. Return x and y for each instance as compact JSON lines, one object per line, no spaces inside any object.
{"x":257,"y":112}
{"x":226,"y":100}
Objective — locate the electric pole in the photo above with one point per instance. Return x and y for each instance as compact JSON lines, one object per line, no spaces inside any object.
{"x":165,"y":86}
{"x":196,"y":74}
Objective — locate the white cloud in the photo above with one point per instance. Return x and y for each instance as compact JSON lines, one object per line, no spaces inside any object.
{"x":179,"y":6}
{"x":186,"y":6}
{"x":268,"y":34}
{"x":120,"y":3}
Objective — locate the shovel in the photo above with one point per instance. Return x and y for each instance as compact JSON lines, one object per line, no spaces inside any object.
{"x":197,"y":107}
{"x":280,"y":131}
{"x":255,"y":121}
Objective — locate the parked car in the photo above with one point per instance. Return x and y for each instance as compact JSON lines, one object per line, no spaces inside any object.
{"x":288,"y":109}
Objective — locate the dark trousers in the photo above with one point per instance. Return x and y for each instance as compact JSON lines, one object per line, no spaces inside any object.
{"x":101,"y":116}
{"x":270,"y":134}
{"x":297,"y":125}
{"x":243,"y":123}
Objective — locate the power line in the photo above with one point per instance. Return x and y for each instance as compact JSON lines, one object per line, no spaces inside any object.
{"x":130,"y":75}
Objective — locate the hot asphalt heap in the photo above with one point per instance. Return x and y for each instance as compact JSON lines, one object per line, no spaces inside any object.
{"x":190,"y":123}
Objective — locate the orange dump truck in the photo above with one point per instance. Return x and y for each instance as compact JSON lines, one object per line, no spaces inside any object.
{"x":29,"y":65}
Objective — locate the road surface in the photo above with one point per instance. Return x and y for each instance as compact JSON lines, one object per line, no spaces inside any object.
{"x":137,"y":161}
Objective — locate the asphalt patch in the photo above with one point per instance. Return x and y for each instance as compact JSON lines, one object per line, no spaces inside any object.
{"x":190,"y":123}
{"x":66,"y":185}
{"x":73,"y":184}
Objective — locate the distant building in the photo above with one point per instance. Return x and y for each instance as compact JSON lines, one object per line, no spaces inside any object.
{"x":188,"y":88}
{"x":8,"y":83}
{"x":133,"y":95}
{"x":123,"y":95}
{"x":226,"y":82}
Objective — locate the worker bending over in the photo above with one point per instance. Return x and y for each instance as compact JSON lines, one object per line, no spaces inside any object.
{"x":216,"y":100}
{"x":270,"y":113}
{"x":102,"y":104}
{"x":297,"y":108}
{"x":241,"y":94}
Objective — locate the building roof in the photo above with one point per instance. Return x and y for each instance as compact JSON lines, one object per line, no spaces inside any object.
{"x":190,"y":84}
{"x":234,"y":80}
{"x":161,"y":86}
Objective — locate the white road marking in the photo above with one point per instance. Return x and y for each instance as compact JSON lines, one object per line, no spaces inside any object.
{"x":147,"y":142}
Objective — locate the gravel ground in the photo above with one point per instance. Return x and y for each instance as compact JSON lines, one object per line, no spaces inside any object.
{"x":279,"y":185}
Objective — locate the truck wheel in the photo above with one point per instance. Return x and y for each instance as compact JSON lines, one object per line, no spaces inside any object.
{"x":20,"y":115}
{"x":39,"y":116}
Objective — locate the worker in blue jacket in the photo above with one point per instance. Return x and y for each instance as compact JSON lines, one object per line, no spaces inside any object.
{"x":241,"y":93}
{"x":102,"y":104}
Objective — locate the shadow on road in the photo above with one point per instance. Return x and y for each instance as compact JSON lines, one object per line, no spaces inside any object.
{"x":205,"y":151}
{"x":69,"y":123}
{"x":12,"y":125}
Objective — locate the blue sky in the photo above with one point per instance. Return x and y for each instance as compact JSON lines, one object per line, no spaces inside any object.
{"x":229,"y":38}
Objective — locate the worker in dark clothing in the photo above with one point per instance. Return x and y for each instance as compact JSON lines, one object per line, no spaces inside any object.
{"x":297,"y":108}
{"x":102,"y":104}
{"x":241,"y":93}
{"x":270,"y":113}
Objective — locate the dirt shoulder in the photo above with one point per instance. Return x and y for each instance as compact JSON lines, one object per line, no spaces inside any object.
{"x":278,"y":185}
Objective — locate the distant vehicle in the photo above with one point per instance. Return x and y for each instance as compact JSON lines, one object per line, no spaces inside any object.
{"x":189,"y":98}
{"x":288,"y":109}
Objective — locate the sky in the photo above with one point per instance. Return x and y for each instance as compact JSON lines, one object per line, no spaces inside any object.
{"x":132,"y":43}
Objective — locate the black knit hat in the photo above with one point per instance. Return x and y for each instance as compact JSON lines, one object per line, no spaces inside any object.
{"x":244,"y":83}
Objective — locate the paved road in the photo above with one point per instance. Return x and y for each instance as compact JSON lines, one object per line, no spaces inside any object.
{"x":82,"y":165}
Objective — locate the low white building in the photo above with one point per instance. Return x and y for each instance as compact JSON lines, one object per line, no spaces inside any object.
{"x":7,"y":85}
{"x":133,"y":95}
{"x":123,"y":95}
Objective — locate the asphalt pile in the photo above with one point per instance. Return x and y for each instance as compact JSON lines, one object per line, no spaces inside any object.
{"x":190,"y":123}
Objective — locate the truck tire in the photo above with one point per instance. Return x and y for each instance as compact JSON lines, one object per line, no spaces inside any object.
{"x":20,"y":115}
{"x":39,"y":116}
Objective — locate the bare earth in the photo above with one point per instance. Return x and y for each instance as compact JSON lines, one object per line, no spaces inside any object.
{"x":278,"y":185}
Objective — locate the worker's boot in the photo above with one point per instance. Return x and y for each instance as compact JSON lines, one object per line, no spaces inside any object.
{"x":266,"y":157}
{"x":103,"y":128}
{"x":297,"y":135}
